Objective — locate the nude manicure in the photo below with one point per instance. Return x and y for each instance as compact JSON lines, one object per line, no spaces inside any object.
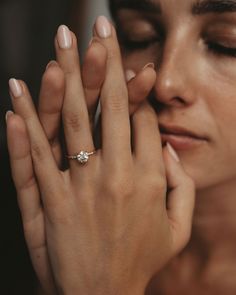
{"x":103,"y":27}
{"x":172,"y":152}
{"x":15,"y":87}
{"x":149,"y":65}
{"x":8,"y":114}
{"x":64,"y":37}
{"x":52,"y":63}
{"x":91,"y":42}
{"x":129,"y":75}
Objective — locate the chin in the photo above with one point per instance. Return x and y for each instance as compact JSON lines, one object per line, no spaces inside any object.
{"x":201,"y":170}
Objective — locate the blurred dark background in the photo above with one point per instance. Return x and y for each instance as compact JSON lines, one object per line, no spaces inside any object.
{"x":27,"y":30}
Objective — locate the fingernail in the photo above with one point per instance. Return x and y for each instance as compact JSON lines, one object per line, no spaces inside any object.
{"x":149,"y":65}
{"x":15,"y":87}
{"x":64,"y":37}
{"x":90,"y":42}
{"x":103,"y":27}
{"x":8,"y":114}
{"x":129,"y":75}
{"x":52,"y":63}
{"x":172,"y":152}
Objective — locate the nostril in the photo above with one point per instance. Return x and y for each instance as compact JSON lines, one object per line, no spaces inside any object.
{"x":177,"y":101}
{"x":159,"y":105}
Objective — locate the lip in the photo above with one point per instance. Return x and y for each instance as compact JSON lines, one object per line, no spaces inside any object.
{"x":181,"y":138}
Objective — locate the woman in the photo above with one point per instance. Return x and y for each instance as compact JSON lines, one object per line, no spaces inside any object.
{"x":192,"y":46}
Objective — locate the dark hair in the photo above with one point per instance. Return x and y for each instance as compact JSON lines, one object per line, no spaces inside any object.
{"x":112,"y":5}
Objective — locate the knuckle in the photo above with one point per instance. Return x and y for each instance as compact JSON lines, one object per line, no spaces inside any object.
{"x":156,"y":186}
{"x":145,"y":115}
{"x":38,"y":152}
{"x":73,"y":121}
{"x":112,"y":53}
{"x":27,"y":184}
{"x":69,"y":71}
{"x":116,"y":102}
{"x":72,"y":69}
{"x":152,"y":187}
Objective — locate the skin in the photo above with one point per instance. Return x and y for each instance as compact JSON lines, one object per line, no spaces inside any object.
{"x":70,"y":216}
{"x":205,"y":88}
{"x":195,"y":88}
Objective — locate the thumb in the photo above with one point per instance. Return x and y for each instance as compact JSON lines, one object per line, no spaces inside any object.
{"x":180,"y":198}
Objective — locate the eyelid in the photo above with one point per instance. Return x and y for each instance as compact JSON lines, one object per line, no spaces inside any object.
{"x":221,"y":50}
{"x":145,"y":28}
{"x":223,"y":40}
{"x":141,"y":39}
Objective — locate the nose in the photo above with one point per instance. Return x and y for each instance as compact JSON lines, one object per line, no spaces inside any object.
{"x":174,"y":85}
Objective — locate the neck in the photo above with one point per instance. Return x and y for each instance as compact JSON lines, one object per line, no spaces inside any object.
{"x":210,"y":255}
{"x":214,"y":223}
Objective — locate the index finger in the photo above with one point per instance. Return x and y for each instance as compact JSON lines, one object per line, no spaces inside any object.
{"x":114,"y":94}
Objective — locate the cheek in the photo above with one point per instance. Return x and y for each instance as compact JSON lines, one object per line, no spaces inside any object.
{"x":222,"y":102}
{"x":223,"y":68}
{"x":216,"y":162}
{"x":211,"y":168}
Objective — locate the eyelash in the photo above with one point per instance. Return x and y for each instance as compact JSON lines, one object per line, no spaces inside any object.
{"x":221,"y":50}
{"x":138,"y":45}
{"x":214,"y":47}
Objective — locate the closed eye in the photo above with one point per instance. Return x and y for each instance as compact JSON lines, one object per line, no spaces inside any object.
{"x":221,"y":50}
{"x":130,"y":44}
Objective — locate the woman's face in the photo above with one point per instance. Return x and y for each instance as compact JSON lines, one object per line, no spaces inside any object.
{"x":193,"y":45}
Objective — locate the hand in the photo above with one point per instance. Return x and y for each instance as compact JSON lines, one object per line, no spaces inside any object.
{"x":49,"y":112}
{"x":81,"y":200}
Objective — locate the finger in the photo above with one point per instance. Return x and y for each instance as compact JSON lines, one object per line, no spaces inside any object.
{"x":93,"y":75}
{"x":50,"y":106}
{"x":114,"y":96}
{"x":139,"y":86}
{"x":24,"y":179}
{"x":28,"y":196}
{"x":45,"y":167}
{"x":146,"y":139}
{"x":181,"y":198}
{"x":75,"y":114}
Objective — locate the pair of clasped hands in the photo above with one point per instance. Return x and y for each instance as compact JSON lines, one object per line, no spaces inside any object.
{"x":106,"y":227}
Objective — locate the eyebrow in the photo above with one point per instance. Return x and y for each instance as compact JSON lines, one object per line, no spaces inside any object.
{"x":214,"y":6}
{"x":139,"y":5}
{"x":200,"y":7}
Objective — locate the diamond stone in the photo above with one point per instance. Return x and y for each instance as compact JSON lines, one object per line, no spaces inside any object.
{"x":83,"y":157}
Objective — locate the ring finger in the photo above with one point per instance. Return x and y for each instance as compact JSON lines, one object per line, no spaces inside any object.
{"x":75,"y":114}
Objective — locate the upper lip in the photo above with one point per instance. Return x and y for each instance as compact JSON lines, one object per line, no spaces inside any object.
{"x":178,"y":130}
